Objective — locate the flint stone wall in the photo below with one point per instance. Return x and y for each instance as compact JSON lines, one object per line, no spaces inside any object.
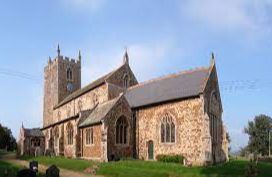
{"x":188,"y":116}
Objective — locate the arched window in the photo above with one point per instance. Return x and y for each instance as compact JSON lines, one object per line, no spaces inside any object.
{"x":121,"y":130}
{"x":94,"y":99}
{"x":68,"y":111}
{"x":125,"y":81}
{"x":79,"y":105}
{"x":35,"y":142}
{"x":56,"y":136}
{"x":59,"y":115}
{"x":168,"y":130}
{"x":89,"y":136}
{"x":70,"y":133}
{"x":214,"y":109}
{"x":69,"y":74}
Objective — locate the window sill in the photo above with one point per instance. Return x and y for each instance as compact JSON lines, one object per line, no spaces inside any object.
{"x":89,"y":145}
{"x":168,"y":143}
{"x":122,"y":145}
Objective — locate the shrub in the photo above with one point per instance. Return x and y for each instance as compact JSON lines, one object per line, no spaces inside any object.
{"x":265,"y":159}
{"x":251,"y":169}
{"x":170,"y":158}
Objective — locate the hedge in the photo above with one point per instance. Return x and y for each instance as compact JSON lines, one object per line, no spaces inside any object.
{"x":170,"y":158}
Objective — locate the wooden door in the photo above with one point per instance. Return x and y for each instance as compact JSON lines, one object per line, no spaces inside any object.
{"x":150,"y":146}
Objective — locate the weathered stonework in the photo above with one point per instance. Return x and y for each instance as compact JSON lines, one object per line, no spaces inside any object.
{"x":189,"y":121}
{"x":56,"y":83}
{"x":93,"y":151}
{"x":87,"y":101}
{"x":199,"y":132}
{"x":117,"y":78}
{"x":213,"y":107}
{"x":31,"y":142}
{"x":116,"y":150}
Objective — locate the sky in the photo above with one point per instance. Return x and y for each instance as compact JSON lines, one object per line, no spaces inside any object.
{"x":162,"y":37}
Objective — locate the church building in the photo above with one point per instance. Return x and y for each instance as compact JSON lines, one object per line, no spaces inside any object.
{"x":115,"y":116}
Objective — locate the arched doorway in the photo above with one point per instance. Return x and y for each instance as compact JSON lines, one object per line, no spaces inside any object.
{"x":150,"y":150}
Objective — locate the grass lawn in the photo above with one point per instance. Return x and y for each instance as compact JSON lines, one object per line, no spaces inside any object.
{"x":62,"y":162}
{"x":8,"y":169}
{"x":235,"y":168}
{"x":137,"y":168}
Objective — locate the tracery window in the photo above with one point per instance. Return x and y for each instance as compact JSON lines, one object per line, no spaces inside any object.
{"x":56,"y":136}
{"x":69,"y":74}
{"x":89,"y":136}
{"x":168,"y":129}
{"x":121,"y":130}
{"x":213,"y":115}
{"x":214,"y":128}
{"x":35,"y":142}
{"x":125,"y":81}
{"x":70,"y":133}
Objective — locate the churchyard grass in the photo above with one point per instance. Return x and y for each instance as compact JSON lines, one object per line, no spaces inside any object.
{"x":8,"y":169}
{"x":234,"y":168}
{"x":138,"y":168}
{"x":62,"y":162}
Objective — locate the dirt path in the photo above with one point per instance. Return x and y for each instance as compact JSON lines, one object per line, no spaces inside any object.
{"x":11,"y":158}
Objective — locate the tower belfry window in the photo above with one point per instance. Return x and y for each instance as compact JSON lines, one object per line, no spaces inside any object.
{"x":69,"y":74}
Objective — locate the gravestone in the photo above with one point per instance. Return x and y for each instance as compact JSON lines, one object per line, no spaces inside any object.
{"x":33,"y":165}
{"x":26,"y":173}
{"x":52,"y":171}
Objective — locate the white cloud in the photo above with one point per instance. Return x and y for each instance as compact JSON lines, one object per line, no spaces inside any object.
{"x":145,"y":60}
{"x":231,"y":14}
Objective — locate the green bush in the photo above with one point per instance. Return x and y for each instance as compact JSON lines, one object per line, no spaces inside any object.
{"x":170,"y":158}
{"x":265,"y":159}
{"x":251,"y":169}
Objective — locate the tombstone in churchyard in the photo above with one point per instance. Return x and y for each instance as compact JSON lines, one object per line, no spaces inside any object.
{"x":52,"y":171}
{"x":26,"y":173}
{"x":33,"y":165}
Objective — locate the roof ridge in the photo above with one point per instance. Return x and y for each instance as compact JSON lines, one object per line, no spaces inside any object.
{"x":75,"y":93}
{"x":173,"y":75}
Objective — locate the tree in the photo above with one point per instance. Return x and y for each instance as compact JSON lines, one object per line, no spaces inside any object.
{"x":258,"y":131}
{"x":7,"y":141}
{"x":229,"y":140}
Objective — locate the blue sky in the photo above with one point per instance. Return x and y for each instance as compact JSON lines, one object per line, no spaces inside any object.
{"x":162,"y":37}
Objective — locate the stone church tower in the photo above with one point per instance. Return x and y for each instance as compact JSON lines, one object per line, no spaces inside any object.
{"x":62,"y":76}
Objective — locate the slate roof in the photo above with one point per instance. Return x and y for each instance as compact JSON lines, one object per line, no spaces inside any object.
{"x":87,"y":88}
{"x":99,"y":112}
{"x":34,"y":132}
{"x":182,"y":85}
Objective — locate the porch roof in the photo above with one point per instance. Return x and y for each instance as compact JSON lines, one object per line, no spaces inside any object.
{"x":98,"y":113}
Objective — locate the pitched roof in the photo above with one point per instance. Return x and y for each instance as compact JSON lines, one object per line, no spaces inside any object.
{"x":182,"y":85}
{"x":99,"y":112}
{"x":33,"y":132}
{"x":87,"y":88}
